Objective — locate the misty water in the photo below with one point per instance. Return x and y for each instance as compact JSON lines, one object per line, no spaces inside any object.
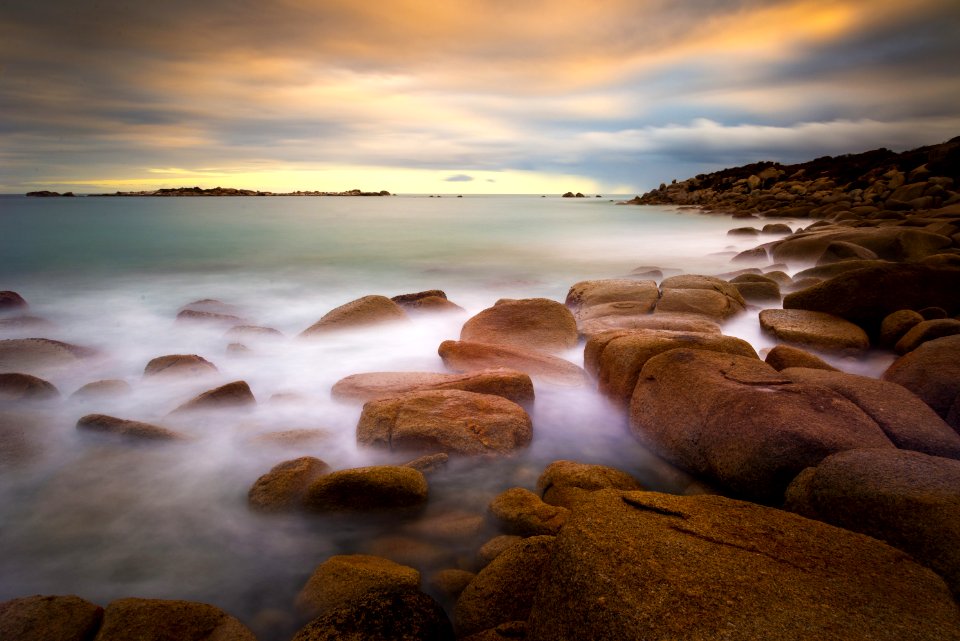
{"x":103,"y":518}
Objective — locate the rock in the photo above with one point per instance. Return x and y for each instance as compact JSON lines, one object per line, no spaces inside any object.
{"x":360,"y":313}
{"x":815,"y":329}
{"x":822,"y":272}
{"x":867,"y":296}
{"x":429,"y":463}
{"x":759,"y":292}
{"x":738,"y":423}
{"x":20,"y":439}
{"x":179,"y":365}
{"x":710,"y":283}
{"x":908,"y":499}
{"x":784,"y":356}
{"x":776,"y":228}
{"x":755,"y":255}
{"x":510,"y":384}
{"x":616,"y":358}
{"x":503,"y":591}
{"x":23,"y":387}
{"x":432,"y":304}
{"x":213,"y":306}
{"x":709,"y":567}
{"x":49,"y":618}
{"x":662,"y":320}
{"x":451,"y":421}
{"x":744,"y":231}
{"x":247,"y":332}
{"x":409,"y":299}
{"x":705,"y":302}
{"x":840,"y":250}
{"x":291,"y":438}
{"x":410,"y":550}
{"x":927,"y":330}
{"x":519,"y":511}
{"x":907,"y":421}
{"x":896,"y":324}
{"x":343,"y":579}
{"x":157,"y":620}
{"x":510,"y":630}
{"x":563,"y":483}
{"x":383,"y":487}
{"x":465,"y":356}
{"x":495,"y":546}
{"x":409,"y":615}
{"x":537,"y":323}
{"x":452,"y":526}
{"x":128,"y":429}
{"x":10,"y":301}
{"x":193,"y":315}
{"x":106,"y":388}
{"x":24,"y":323}
{"x":591,"y":293}
{"x":284,"y":485}
{"x":450,"y":582}
{"x":888,"y":243}
{"x":932,"y":372}
{"x":32,"y":355}
{"x":933,"y":313}
{"x":235,"y":394}
{"x":238,"y":349}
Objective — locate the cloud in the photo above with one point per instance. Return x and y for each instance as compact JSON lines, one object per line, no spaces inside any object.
{"x":458,"y":178}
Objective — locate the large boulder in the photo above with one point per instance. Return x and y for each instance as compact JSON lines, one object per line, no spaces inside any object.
{"x":616,"y":358}
{"x":537,"y":323}
{"x":740,"y":424}
{"x":780,"y":357}
{"x":179,"y":365}
{"x":704,"y":302}
{"x":34,"y":355}
{"x":661,"y":321}
{"x":563,"y":483}
{"x":521,"y":512}
{"x":503,"y":591}
{"x":284,"y":485}
{"x":510,"y":384}
{"x":908,"y":499}
{"x":24,"y":387}
{"x":906,"y":420}
{"x":591,"y":293}
{"x":928,"y":330}
{"x":895,"y":325}
{"x":698,"y":281}
{"x":932,"y":372}
{"x":867,"y":296}
{"x":49,"y":618}
{"x":235,"y":394}
{"x":363,"y":489}
{"x":11,"y":301}
{"x":408,"y":615}
{"x":815,"y":329}
{"x":451,"y":421}
{"x":345,"y":578}
{"x":466,"y":356}
{"x":159,"y":620}
{"x":889,"y":243}
{"x":135,"y":430}
{"x":363,"y":312}
{"x":642,"y":565}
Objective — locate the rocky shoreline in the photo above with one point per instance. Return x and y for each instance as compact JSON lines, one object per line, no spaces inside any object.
{"x":820,"y":503}
{"x":191,"y":192}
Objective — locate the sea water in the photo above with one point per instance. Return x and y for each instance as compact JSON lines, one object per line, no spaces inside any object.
{"x":104,"y":519}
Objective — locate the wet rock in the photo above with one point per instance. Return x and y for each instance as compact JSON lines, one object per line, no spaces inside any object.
{"x":927,"y":330}
{"x":406,"y":299}
{"x":495,"y":546}
{"x":503,"y":591}
{"x":156,"y":620}
{"x":660,"y":321}
{"x":907,"y":421}
{"x":896,"y":324}
{"x":32,"y":355}
{"x":840,"y":250}
{"x":816,"y":329}
{"x":343,"y":579}
{"x":510,"y":384}
{"x":591,"y":293}
{"x":383,"y":487}
{"x":433,"y":300}
{"x":563,"y":483}
{"x":179,"y":365}
{"x":49,"y":618}
{"x":284,"y":485}
{"x":231,"y":395}
{"x":932,"y":372}
{"x":521,"y":512}
{"x":11,"y":301}
{"x":776,"y":228}
{"x":933,"y":313}
{"x":510,"y":630}
{"x":409,"y":615}
{"x":451,"y":421}
{"x":744,"y":231}
{"x":755,"y":255}
{"x":537,"y":323}
{"x":211,"y":305}
{"x":453,"y":526}
{"x":106,"y":388}
{"x":697,"y":281}
{"x":24,"y":387}
{"x":738,"y":423}
{"x":196,"y":316}
{"x":784,"y":356}
{"x":705,"y":302}
{"x":759,"y":292}
{"x":292,"y":438}
{"x":616,"y":358}
{"x":363,"y":312}
{"x":128,"y":429}
{"x":908,"y":499}
{"x":709,"y":564}
{"x":450,"y":582}
{"x":466,"y":356}
{"x":429,"y":463}
{"x":247,"y":332}
{"x":888,"y":243}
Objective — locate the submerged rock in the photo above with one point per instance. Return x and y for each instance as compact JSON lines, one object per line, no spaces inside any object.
{"x":519,"y":511}
{"x":103,"y":389}
{"x":195,"y":316}
{"x":363,"y":312}
{"x":11,"y":301}
{"x":537,"y":323}
{"x":32,"y":355}
{"x":408,"y":615}
{"x":155,"y":619}
{"x":343,"y":579}
{"x":465,"y":356}
{"x":235,"y":394}
{"x":563,"y":483}
{"x":129,"y":429}
{"x":179,"y":365}
{"x":510,"y":384}
{"x":49,"y":618}
{"x":284,"y":485}
{"x":383,"y":487}
{"x":24,"y":387}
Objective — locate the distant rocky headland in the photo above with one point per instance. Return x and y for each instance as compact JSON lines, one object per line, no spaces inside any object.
{"x":216,"y":191}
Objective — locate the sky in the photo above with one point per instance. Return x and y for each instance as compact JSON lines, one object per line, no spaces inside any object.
{"x":460,"y":96}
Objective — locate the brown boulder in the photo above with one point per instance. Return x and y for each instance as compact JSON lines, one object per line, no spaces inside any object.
{"x":343,"y":579}
{"x":510,"y":384}
{"x":840,"y":250}
{"x":406,"y":299}
{"x":235,"y":394}
{"x":103,"y":389}
{"x":429,"y":463}
{"x":889,"y":243}
{"x":896,"y":324}
{"x":739,"y":423}
{"x":408,"y":615}
{"x":450,"y":582}
{"x":495,"y":547}
{"x":537,"y":323}
{"x":363,"y":312}
{"x":521,"y":512}
{"x":661,"y":321}
{"x":503,"y":591}
{"x":759,"y":291}
{"x":563,"y":483}
{"x":510,"y":630}
{"x":451,"y":421}
{"x":908,"y":499}
{"x":49,"y":618}
{"x":784,"y":356}
{"x":248,"y":332}
{"x":704,"y":302}
{"x":284,"y":485}
{"x":697,"y":281}
{"x":197,"y":316}
{"x":927,"y":330}
{"x":465,"y":356}
{"x":432,"y":305}
{"x":23,"y":387}
{"x":932,"y":372}
{"x":382,"y":487}
{"x":642,"y":565}
{"x":32,"y":355}
{"x":10,"y":301}
{"x":591,"y":293}
{"x":129,"y":429}
{"x":815,"y":329}
{"x":179,"y":365}
{"x":158,"y":620}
